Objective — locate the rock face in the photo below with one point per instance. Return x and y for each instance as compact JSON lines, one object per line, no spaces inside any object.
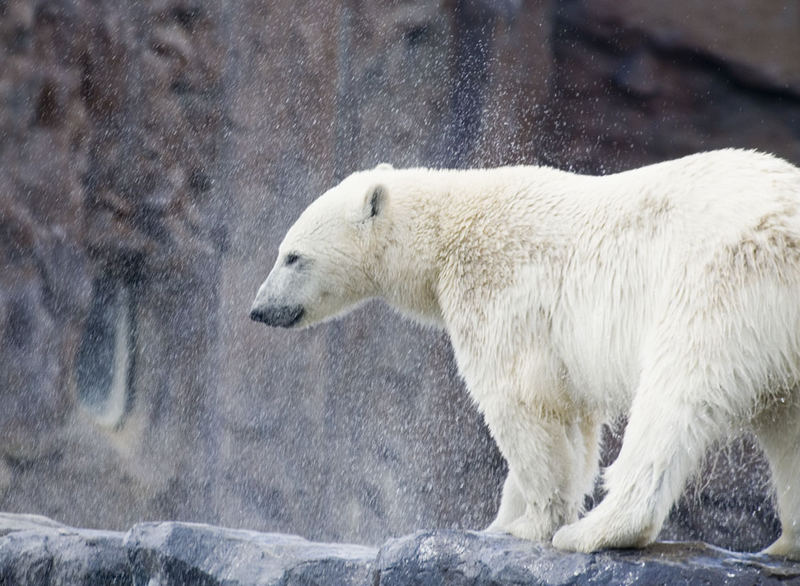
{"x":152,"y":154}
{"x":665,"y":85}
{"x":111,"y":118}
{"x":37,"y":551}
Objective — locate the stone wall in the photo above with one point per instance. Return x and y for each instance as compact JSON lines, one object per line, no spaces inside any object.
{"x":113,"y":122}
{"x":152,"y":155}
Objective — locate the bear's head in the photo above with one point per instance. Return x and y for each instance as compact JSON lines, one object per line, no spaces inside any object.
{"x":325,"y":262}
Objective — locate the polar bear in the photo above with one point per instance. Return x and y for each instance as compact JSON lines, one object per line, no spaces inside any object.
{"x":668,"y":293}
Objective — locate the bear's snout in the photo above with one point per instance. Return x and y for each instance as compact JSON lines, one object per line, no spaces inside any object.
{"x":284,"y":316}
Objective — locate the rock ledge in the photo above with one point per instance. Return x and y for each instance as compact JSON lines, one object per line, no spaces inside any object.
{"x":36,"y":550}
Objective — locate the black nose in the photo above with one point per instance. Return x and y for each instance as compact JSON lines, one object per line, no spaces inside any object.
{"x":283,"y":316}
{"x":258,"y":315}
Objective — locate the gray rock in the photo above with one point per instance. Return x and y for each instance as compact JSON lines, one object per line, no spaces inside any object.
{"x":187,"y":553}
{"x":37,"y":551}
{"x":463,"y":557}
{"x":12,"y":523}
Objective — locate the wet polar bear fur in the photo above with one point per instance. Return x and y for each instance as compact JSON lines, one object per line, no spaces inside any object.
{"x":669,"y":293}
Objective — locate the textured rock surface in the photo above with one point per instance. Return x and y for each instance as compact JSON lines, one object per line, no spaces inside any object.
{"x":180,"y":553}
{"x":37,"y":551}
{"x":635,"y":82}
{"x":162,"y":148}
{"x":111,"y":122}
{"x":459,"y":557}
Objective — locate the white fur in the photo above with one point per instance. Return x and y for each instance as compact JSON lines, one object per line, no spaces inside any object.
{"x":669,"y":293}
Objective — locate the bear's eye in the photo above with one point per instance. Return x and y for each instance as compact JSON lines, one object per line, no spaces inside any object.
{"x":291,"y":259}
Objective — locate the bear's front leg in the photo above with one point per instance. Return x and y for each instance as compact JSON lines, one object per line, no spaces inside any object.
{"x":666,"y":436}
{"x":552,"y":464}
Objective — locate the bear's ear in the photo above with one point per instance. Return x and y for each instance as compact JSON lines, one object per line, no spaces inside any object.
{"x":384,"y":167}
{"x":374,"y":201}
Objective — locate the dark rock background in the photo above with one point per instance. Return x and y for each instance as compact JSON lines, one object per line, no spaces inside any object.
{"x":152,"y":154}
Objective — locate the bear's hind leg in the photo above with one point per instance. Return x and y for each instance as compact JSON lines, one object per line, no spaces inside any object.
{"x":549,"y":461}
{"x":512,"y":506}
{"x":779,"y":434}
{"x":584,"y":441}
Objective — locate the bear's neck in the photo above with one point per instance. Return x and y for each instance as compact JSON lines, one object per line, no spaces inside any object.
{"x":407,"y":269}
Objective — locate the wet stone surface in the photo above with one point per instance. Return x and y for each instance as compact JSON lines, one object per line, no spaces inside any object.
{"x":35,"y":550}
